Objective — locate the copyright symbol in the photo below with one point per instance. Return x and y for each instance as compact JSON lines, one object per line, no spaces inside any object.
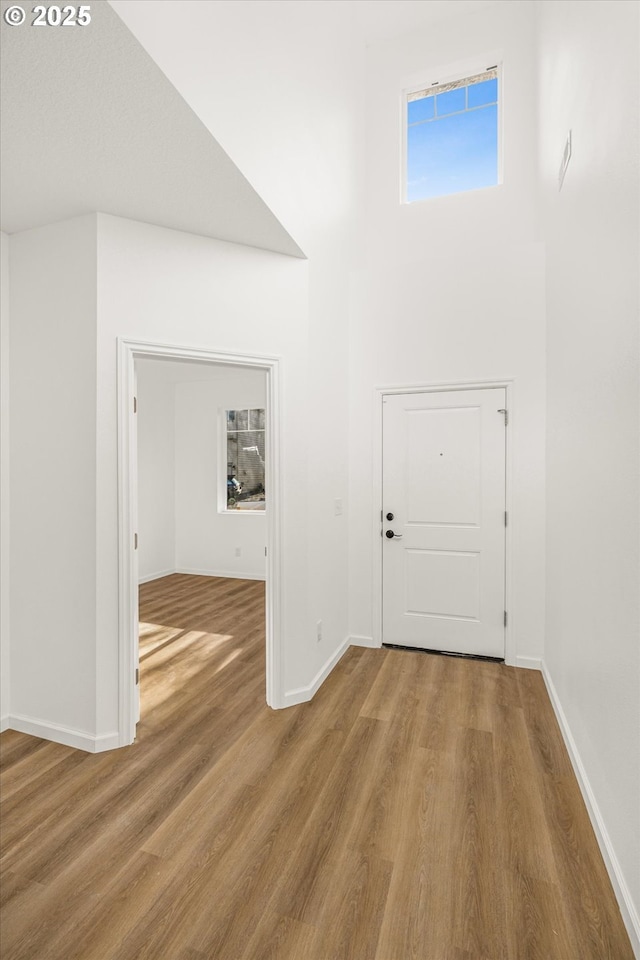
{"x":14,"y":16}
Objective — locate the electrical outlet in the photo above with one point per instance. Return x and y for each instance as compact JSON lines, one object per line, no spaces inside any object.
{"x":319,"y":631}
{"x":238,"y":551}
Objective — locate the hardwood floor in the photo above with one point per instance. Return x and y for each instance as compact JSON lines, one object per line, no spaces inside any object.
{"x":419,"y":808}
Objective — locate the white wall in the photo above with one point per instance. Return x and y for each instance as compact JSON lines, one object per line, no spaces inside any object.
{"x":159,"y":285}
{"x":302,"y":152}
{"x":53,"y":477}
{"x":156,"y":472}
{"x":162,"y":285}
{"x":281,"y":85}
{"x":179,"y":419}
{"x":452,"y":289}
{"x":207,"y":539}
{"x":592,"y":652}
{"x":5,"y":659}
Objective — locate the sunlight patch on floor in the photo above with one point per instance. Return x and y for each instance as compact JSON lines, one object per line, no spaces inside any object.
{"x":163,"y":670}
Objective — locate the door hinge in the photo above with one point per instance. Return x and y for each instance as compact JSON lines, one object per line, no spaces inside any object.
{"x":506,"y":518}
{"x":506,"y":415}
{"x":135,"y":541}
{"x":135,"y":404}
{"x":505,"y":618}
{"x":137,"y":675}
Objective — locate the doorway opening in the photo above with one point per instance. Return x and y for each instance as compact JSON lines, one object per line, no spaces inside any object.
{"x":209,"y":380}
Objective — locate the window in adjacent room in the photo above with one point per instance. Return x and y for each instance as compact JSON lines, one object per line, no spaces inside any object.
{"x":452,"y":136}
{"x":245,"y":460}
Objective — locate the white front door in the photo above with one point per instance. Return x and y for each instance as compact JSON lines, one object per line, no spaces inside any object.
{"x":443,"y":489}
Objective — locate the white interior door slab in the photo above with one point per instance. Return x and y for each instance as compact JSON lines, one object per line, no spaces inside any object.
{"x":443,"y":570}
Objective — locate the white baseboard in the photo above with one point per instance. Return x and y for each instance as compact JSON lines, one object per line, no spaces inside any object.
{"x":357,"y":641}
{"x":623,"y":896}
{"x":65,"y":735}
{"x":233,"y":574}
{"x":303,"y":694}
{"x":155,"y":576}
{"x":529,"y":663}
{"x":4,"y":723}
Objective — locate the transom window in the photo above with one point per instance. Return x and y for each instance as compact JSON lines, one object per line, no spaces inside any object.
{"x":452,"y":136}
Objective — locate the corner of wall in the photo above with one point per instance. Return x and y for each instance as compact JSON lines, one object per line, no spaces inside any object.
{"x":620,"y":887}
{"x":303,"y":694}
{"x":67,"y":736}
{"x":590,"y":227}
{"x":53,"y":364}
{"x":356,"y":641}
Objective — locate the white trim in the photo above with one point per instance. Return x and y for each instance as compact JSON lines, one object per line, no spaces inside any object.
{"x":156,"y":576}
{"x":4,"y":723}
{"x":225,"y":574}
{"x":222,"y":459}
{"x":620,"y":888}
{"x":508,"y":383}
{"x":66,"y":735}
{"x":228,"y":574}
{"x":356,"y":641}
{"x":128,"y":352}
{"x":529,"y":663}
{"x":303,"y":694}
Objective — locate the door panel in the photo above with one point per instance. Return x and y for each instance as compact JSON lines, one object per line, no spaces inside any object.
{"x":444,"y":482}
{"x":442,"y":583}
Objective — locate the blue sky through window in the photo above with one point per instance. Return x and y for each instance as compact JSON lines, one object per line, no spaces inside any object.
{"x":452,"y":140}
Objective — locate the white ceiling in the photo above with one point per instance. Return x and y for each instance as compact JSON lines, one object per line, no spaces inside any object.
{"x":89,"y":122}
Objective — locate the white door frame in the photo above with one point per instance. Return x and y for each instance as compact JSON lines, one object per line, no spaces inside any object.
{"x":128,"y":352}
{"x":440,"y":387}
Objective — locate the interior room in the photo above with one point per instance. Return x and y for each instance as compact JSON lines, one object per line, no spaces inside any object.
{"x":319,"y":609}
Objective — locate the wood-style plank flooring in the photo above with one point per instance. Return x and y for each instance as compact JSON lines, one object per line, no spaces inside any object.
{"x":419,"y":808}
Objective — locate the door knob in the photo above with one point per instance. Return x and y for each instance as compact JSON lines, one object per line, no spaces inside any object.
{"x":389,"y":516}
{"x":390,"y":535}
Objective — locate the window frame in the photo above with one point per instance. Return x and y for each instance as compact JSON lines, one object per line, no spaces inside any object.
{"x":222,"y":464}
{"x":441,"y":78}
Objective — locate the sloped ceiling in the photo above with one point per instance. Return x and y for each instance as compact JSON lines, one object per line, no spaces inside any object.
{"x":90,"y":123}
